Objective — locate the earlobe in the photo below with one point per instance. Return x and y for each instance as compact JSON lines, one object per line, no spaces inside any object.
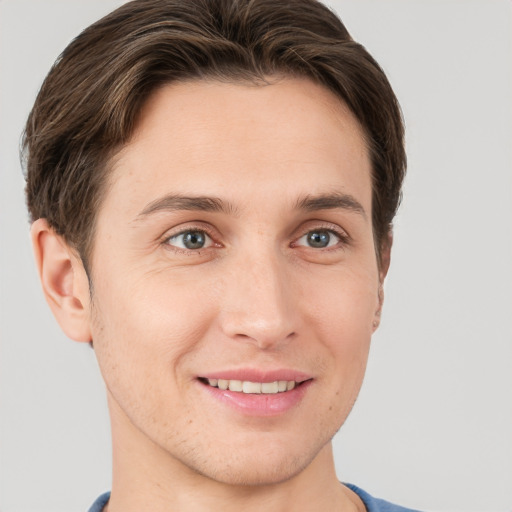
{"x":64,"y":281}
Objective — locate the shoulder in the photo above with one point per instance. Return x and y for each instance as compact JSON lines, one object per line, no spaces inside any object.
{"x":98,"y":505}
{"x":377,"y":505}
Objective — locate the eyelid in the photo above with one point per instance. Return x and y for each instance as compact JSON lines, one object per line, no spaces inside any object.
{"x":208,"y":240}
{"x":339,"y":232}
{"x":187,"y":227}
{"x":336,"y":239}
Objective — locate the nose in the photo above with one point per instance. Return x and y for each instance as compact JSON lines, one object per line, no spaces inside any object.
{"x":259,"y":303}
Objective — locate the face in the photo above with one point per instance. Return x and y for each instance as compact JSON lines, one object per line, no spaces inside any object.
{"x":235,"y":278}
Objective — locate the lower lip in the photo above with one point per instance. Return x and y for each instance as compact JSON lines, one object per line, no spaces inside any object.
{"x":260,"y":404}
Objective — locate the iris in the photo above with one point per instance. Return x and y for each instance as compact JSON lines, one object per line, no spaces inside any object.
{"x":318,"y":239}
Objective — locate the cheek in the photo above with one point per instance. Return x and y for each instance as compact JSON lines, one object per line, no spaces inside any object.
{"x":343,"y":314}
{"x":343,"y":303}
{"x":144,"y":329}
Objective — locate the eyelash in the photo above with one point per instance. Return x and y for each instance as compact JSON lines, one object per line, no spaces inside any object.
{"x":190,"y":229}
{"x":343,"y":237}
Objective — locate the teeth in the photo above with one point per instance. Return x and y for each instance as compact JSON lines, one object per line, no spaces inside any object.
{"x":270,"y":388}
{"x":235,"y":385}
{"x":251,"y":387}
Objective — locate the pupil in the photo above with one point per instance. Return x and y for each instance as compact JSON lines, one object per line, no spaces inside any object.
{"x":194,"y":240}
{"x":319,"y":239}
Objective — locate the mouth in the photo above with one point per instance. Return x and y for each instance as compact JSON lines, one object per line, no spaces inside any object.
{"x":256,"y":392}
{"x":252,"y":388}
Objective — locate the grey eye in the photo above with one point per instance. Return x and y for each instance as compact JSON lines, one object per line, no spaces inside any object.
{"x":319,"y":239}
{"x":192,"y":240}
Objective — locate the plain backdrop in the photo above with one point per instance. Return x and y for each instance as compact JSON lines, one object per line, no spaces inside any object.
{"x":433,"y":424}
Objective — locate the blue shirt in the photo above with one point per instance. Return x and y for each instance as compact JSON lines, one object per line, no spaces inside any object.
{"x":372,"y":504}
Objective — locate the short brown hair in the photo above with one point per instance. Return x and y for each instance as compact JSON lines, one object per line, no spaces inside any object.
{"x":88,"y":104}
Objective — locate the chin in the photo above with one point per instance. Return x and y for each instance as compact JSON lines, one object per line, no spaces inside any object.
{"x":269,"y":463}
{"x":270,"y":472}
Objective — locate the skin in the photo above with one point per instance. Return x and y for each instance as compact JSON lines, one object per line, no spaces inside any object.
{"x":257,"y":295}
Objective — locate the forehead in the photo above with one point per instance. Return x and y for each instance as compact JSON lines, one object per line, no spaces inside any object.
{"x":240,"y":138}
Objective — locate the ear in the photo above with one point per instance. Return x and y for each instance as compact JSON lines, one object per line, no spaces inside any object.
{"x":385,"y":256}
{"x":385,"y":260}
{"x":64,"y":281}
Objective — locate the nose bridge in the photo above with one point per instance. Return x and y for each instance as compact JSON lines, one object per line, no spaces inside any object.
{"x":259,"y":303}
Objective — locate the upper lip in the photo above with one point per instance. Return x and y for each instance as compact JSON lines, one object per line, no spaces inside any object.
{"x":258,"y":375}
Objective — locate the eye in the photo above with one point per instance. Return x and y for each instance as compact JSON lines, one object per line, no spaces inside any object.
{"x":192,"y":239}
{"x":319,"y":239}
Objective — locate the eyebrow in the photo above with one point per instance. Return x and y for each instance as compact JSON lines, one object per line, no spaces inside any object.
{"x":309,"y":203}
{"x":173,"y":202}
{"x":332,"y":201}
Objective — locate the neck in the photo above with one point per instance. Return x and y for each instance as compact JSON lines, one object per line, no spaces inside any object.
{"x":145,"y":477}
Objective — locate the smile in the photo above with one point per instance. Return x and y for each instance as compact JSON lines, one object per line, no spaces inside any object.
{"x":257,"y":393}
{"x":248,"y":387}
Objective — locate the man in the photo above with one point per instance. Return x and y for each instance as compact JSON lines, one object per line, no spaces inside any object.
{"x":212,"y":186}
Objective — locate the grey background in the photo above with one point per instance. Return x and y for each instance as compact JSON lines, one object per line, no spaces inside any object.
{"x":433,"y":425}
